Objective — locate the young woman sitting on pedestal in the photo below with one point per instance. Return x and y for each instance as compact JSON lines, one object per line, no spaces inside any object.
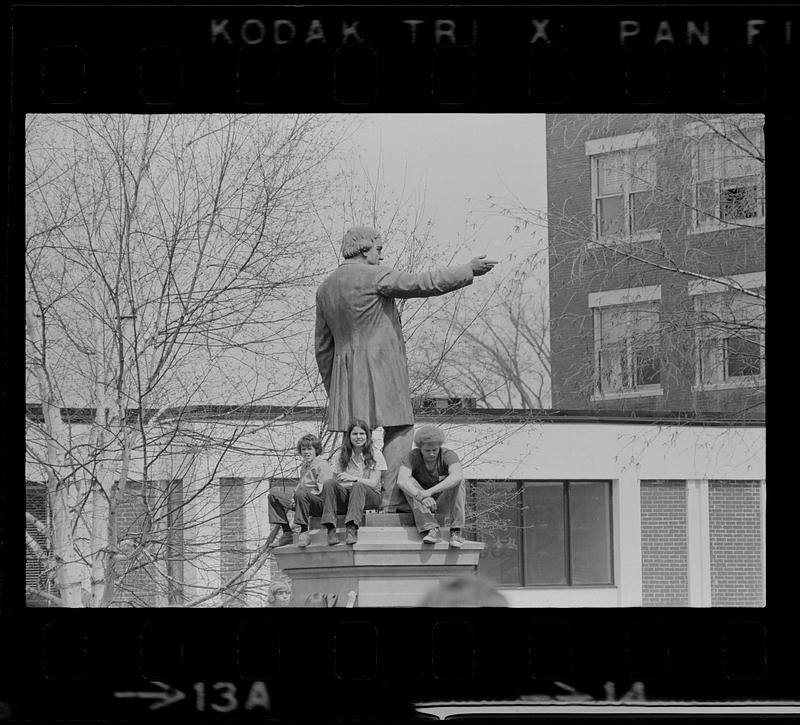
{"x":356,"y":484}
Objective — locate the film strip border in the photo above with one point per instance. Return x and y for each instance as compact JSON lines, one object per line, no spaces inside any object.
{"x":398,"y":58}
{"x":369,"y":662}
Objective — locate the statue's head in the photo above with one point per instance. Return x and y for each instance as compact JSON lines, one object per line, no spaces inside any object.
{"x":362,"y":240}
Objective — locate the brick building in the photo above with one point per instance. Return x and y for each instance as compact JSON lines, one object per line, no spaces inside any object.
{"x":575,"y":510}
{"x":657,"y":262}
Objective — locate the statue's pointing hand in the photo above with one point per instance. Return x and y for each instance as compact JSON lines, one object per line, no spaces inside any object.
{"x":481,"y":265}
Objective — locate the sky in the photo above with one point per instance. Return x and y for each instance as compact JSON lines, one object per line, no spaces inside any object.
{"x":455,"y":161}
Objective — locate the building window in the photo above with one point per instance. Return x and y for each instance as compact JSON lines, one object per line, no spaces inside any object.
{"x":730,"y":339}
{"x":543,"y":533}
{"x":623,"y":183}
{"x":728,"y":168}
{"x":627,"y":348}
{"x":37,"y":554}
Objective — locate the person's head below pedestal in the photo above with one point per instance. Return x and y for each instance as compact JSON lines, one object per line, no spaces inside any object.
{"x":315,"y":599}
{"x":465,"y":591}
{"x":279,"y":594}
{"x":362,"y":244}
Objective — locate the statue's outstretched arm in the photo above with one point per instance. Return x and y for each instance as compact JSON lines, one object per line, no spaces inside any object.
{"x":392,"y":283}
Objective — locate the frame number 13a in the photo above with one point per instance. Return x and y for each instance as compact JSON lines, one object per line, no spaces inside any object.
{"x":224,"y":697}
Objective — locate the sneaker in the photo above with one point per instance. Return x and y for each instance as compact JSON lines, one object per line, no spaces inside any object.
{"x":304,"y":539}
{"x":456,"y":540}
{"x":432,"y":537}
{"x":333,"y":537}
{"x":352,"y":534}
{"x":286,"y":538}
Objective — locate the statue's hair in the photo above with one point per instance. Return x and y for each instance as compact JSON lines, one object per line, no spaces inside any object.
{"x":429,"y":434}
{"x":357,"y":240}
{"x":465,"y":592}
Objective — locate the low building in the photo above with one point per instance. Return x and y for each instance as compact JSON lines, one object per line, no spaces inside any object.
{"x":576,"y":508}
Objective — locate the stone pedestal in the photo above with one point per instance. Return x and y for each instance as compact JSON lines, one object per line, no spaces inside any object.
{"x":389,"y":566}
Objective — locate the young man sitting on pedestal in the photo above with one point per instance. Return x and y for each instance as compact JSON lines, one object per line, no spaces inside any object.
{"x":432,"y":479}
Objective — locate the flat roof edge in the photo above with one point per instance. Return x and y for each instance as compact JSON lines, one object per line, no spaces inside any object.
{"x":471,"y":415}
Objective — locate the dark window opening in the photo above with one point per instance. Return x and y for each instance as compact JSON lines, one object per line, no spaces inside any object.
{"x":740,"y":201}
{"x":742,"y":356}
{"x":550,"y":533}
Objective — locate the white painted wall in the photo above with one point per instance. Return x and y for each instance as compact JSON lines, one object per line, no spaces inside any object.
{"x":609,"y":451}
{"x":621,"y":452}
{"x":562,"y":597}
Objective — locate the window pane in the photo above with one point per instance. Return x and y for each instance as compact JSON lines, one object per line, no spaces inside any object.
{"x":742,"y":154}
{"x":643,"y":170}
{"x":494,"y":519}
{"x":643,"y":211}
{"x":706,"y":201}
{"x":646,"y":344}
{"x":740,"y":201}
{"x":590,"y":532}
{"x":610,"y":215}
{"x":544,"y":534}
{"x":615,"y":322}
{"x":647,"y":366}
{"x":644,"y":320}
{"x":743,"y":356}
{"x":710,"y":360}
{"x":610,"y":173}
{"x":611,"y":362}
{"x":706,"y":159}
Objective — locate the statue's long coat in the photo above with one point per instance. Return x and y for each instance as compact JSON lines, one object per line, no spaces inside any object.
{"x":359,"y":343}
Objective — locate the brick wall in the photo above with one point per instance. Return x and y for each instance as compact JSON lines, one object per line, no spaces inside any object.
{"x":136,"y":587}
{"x":232,"y":527}
{"x":665,"y":574}
{"x":575,"y":272}
{"x":735,"y":536}
{"x":174,"y":550}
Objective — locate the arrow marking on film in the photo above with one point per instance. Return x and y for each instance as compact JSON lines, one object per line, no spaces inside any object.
{"x":168,"y":697}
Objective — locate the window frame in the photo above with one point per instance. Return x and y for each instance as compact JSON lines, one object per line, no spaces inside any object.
{"x":519,"y":486}
{"x":628,"y":298}
{"x":702,"y":222}
{"x":698,"y":292}
{"x":627,"y":145}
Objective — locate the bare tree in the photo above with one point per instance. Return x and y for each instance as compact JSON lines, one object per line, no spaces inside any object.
{"x":169,"y":262}
{"x":498,"y":340}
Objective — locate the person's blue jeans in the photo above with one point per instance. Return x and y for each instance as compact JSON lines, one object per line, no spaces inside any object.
{"x":348,"y":500}
{"x":305,"y":504}
{"x":451,"y":503}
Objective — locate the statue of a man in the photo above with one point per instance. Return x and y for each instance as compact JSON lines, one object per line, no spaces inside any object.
{"x":359,"y":343}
